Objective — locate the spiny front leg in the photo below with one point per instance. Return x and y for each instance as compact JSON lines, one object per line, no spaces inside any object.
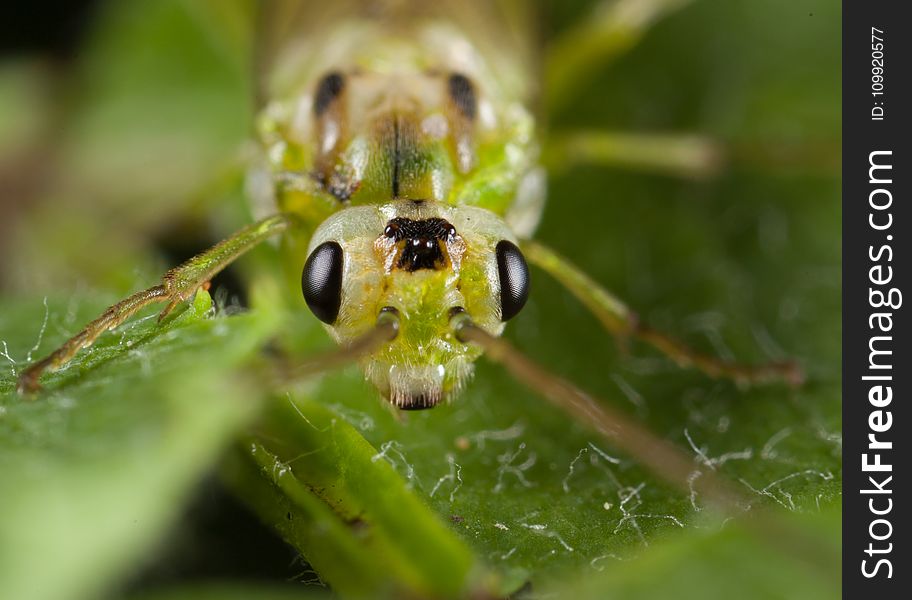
{"x":109,"y":319}
{"x":183,"y":281}
{"x":619,"y":320}
{"x":178,"y":284}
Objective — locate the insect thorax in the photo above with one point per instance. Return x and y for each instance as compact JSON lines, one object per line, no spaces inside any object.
{"x":416,"y":110}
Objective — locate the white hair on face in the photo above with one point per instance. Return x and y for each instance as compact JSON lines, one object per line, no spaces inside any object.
{"x":419,"y":386}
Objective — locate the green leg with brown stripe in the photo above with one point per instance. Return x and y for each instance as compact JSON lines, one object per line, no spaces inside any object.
{"x":178,"y":285}
{"x":619,"y":320}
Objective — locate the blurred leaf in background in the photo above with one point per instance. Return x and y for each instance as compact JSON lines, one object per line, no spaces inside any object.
{"x":139,"y":142}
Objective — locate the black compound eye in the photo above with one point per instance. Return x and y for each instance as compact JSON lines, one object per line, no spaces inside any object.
{"x":321,"y":281}
{"x":514,"y":279}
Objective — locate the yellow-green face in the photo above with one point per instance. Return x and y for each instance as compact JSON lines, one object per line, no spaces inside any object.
{"x":424,"y":262}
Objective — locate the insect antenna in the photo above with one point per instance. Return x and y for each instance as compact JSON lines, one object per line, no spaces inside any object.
{"x":663,"y":458}
{"x":385,"y":331}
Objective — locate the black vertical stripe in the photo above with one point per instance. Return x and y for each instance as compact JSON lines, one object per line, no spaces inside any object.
{"x":397,"y":156}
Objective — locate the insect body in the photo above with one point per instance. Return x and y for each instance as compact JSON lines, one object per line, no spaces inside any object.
{"x":395,"y":173}
{"x":420,"y":152}
{"x":400,"y":167}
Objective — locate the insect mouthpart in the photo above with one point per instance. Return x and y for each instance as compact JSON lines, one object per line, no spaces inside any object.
{"x":434,"y":375}
{"x":416,"y":387}
{"x":419,"y":401}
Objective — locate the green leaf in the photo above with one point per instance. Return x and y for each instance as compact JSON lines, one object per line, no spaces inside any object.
{"x":727,"y":563}
{"x":234,"y":591}
{"x":330,"y":494}
{"x":743,"y":265}
{"x":94,"y":470}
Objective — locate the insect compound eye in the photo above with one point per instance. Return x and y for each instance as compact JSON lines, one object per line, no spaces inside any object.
{"x":514,"y":279}
{"x":321,"y":281}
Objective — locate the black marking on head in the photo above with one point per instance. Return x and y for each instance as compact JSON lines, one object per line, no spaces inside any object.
{"x":398,"y":138}
{"x":420,"y":241}
{"x":402,"y":228}
{"x":397,"y":157}
{"x":321,"y":281}
{"x":462,"y":92}
{"x":514,"y":279}
{"x":329,"y":88}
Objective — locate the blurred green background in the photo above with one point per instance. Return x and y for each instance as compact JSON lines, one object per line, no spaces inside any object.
{"x":121,"y":154}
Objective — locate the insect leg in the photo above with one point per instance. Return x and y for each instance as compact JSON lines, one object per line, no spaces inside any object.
{"x":183,"y":281}
{"x":683,"y":155}
{"x":661,"y":456}
{"x":177,"y":285}
{"x":618,"y":319}
{"x":613,"y":28}
{"x":384,"y":331}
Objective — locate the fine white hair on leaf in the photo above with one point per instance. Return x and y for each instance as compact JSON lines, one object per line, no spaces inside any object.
{"x":691,"y":480}
{"x":44,"y":323}
{"x":506,"y":466}
{"x":783,"y":497}
{"x":361,"y":420}
{"x":597,"y":567}
{"x":701,"y":454}
{"x":604,"y":455}
{"x":543,"y":530}
{"x":297,"y":409}
{"x":454,"y":476}
{"x":833,"y":438}
{"x":713,"y":462}
{"x":392,"y":448}
{"x":5,"y":354}
{"x":628,"y":516}
{"x":764,"y":493}
{"x":565,"y":483}
{"x":768,"y":451}
{"x":28,"y":357}
{"x":279,"y":470}
{"x":598,"y":453}
{"x":671,"y":518}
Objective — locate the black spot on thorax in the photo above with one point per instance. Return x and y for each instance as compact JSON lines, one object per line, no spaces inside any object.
{"x":462,"y":93}
{"x":329,"y":88}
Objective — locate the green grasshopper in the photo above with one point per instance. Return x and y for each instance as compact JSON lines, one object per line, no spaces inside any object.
{"x":400,"y":164}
